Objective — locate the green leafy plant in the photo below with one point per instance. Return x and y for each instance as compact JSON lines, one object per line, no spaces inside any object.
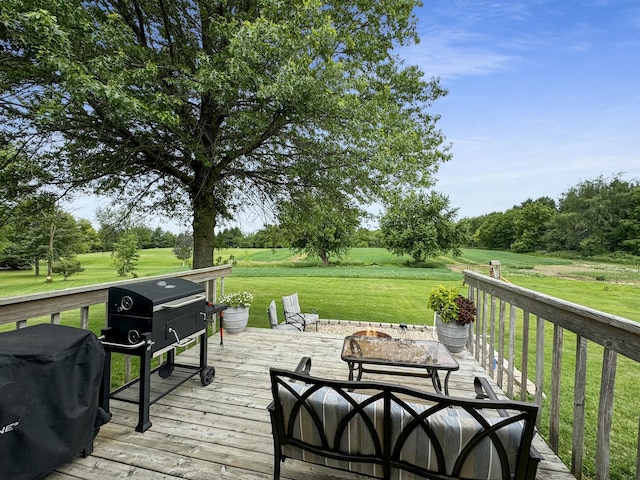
{"x":451,"y":306}
{"x":237,"y":299}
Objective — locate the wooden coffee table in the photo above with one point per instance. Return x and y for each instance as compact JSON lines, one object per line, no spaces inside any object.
{"x":413,"y":355}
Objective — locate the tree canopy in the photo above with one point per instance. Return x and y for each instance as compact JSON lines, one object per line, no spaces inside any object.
{"x":421,"y":225}
{"x":319,"y":226}
{"x":195,"y":108}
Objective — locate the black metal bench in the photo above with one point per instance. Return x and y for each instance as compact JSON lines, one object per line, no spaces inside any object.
{"x":378,"y":429}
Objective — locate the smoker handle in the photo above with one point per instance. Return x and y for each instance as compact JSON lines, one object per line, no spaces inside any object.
{"x":190,"y":300}
{"x":184,"y":343}
{"x":122,"y":345}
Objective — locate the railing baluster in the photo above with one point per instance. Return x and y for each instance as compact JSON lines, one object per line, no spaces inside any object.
{"x":556,"y":371}
{"x":605,"y":414}
{"x":84,"y":318}
{"x":471,"y":337}
{"x":579,"y":398}
{"x":492,"y":339}
{"x":539,"y":362}
{"x":477,"y":327}
{"x":512,"y":344}
{"x":484,"y":328}
{"x":501,"y":332}
{"x":524,"y":376}
{"x":127,"y":368}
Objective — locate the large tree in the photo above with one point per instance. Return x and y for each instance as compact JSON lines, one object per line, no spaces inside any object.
{"x":196,"y":107}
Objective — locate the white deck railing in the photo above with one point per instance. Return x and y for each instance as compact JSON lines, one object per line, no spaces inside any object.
{"x":508,"y":319}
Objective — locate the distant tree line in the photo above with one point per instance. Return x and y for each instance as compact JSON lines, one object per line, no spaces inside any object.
{"x":595,"y":217}
{"x":53,"y":237}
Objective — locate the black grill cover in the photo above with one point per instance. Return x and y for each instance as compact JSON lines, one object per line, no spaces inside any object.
{"x":49,"y":387}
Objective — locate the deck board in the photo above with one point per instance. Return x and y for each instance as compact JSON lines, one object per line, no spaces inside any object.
{"x":223,"y":430}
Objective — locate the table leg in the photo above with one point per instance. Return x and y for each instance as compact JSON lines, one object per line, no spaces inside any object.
{"x":350,"y":364}
{"x":446,"y":383}
{"x":435,"y":380}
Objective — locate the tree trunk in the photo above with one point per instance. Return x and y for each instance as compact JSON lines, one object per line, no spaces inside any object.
{"x":52,"y":233}
{"x":325,"y":258}
{"x":204,"y":223}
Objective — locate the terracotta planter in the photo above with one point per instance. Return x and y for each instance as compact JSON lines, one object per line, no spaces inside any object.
{"x":452,"y":335}
{"x":235,"y":319}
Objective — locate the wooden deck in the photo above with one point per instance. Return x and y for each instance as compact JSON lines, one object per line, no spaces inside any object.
{"x":223,"y":430}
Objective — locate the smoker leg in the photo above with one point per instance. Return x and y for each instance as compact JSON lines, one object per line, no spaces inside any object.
{"x":145,"y":387}
{"x":203,"y":349}
{"x":105,"y":385}
{"x":166,"y":369}
{"x":206,"y":373}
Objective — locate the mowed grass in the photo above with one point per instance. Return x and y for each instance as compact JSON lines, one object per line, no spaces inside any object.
{"x":372,"y":285}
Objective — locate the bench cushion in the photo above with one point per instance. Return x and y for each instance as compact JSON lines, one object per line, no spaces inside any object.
{"x":433,"y":444}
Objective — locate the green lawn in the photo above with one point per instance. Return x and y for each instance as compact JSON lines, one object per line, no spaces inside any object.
{"x":373,"y":285}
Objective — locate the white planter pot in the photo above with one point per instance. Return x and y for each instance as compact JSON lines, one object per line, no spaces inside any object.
{"x":235,"y":319}
{"x":452,"y":335}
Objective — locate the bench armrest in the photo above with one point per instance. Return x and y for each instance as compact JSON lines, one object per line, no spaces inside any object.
{"x":484,"y":390}
{"x":304,"y":368}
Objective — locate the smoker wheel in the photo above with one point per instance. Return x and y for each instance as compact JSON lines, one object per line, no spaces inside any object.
{"x":206,"y":376}
{"x":165,"y":370}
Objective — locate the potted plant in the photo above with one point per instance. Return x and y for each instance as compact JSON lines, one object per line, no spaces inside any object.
{"x":236,"y":316}
{"x":453,"y":314}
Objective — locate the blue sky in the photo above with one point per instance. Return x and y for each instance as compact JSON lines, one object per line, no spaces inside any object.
{"x":542,"y":95}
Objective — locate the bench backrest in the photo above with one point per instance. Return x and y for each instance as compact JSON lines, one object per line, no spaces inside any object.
{"x":381,"y":429}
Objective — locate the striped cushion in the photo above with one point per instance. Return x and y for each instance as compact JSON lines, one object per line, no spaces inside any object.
{"x":452,"y":428}
{"x":330,"y":407}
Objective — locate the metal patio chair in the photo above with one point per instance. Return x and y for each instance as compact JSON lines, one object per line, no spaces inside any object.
{"x":273,"y":320}
{"x":293,"y":314}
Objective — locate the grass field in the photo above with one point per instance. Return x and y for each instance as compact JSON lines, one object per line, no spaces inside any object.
{"x":373,"y":285}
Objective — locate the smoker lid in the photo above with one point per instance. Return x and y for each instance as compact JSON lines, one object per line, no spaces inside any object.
{"x":159,"y":291}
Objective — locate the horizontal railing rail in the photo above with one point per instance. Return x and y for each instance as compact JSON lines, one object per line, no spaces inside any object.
{"x":20,"y":309}
{"x":504,"y":323}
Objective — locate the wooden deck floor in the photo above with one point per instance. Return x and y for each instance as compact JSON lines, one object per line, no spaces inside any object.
{"x":223,"y":430}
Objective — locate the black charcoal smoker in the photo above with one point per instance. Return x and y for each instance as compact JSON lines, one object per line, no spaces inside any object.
{"x":148,"y":319}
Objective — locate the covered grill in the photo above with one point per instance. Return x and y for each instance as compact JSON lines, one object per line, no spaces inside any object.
{"x":148,"y":319}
